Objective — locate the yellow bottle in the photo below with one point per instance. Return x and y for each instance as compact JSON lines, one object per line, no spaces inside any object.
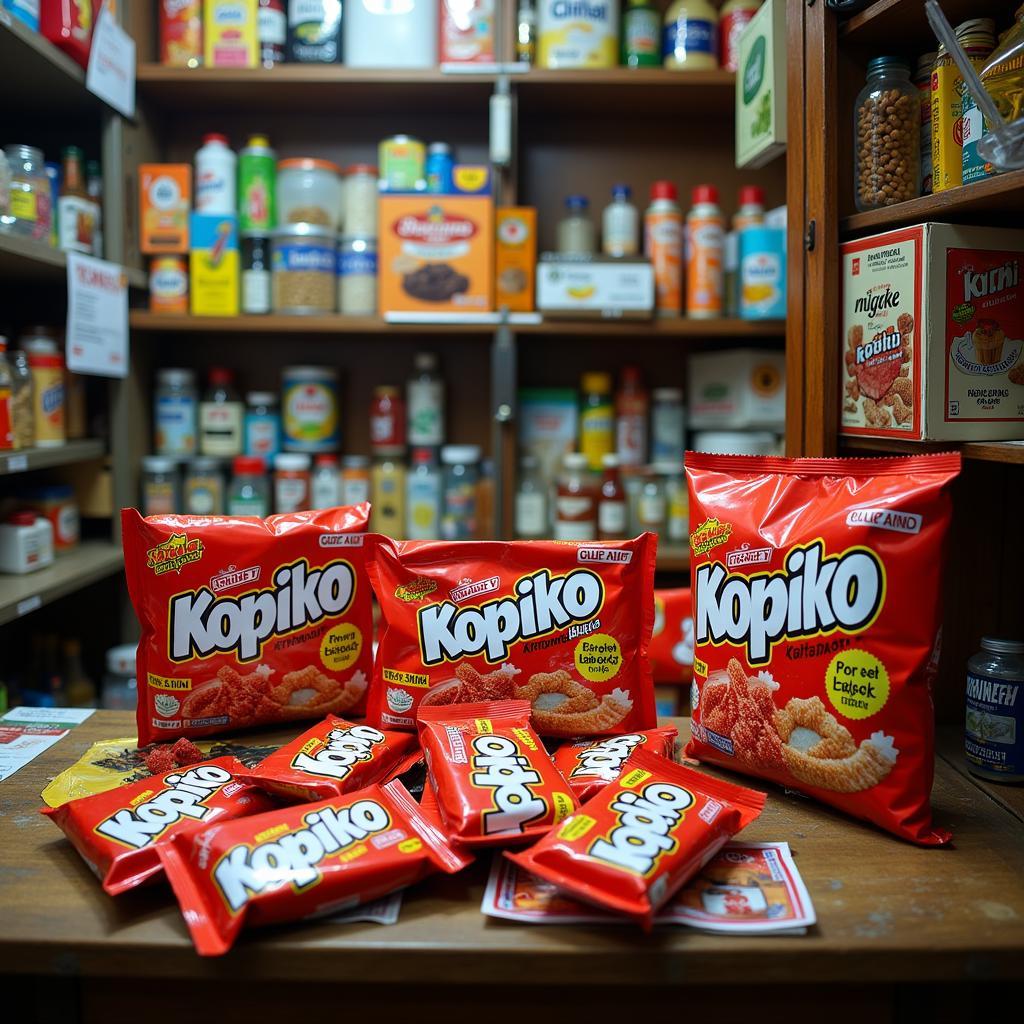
{"x":690,"y":39}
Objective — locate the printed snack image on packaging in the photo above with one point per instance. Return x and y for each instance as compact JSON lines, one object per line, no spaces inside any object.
{"x":248,"y":621}
{"x":332,"y":758}
{"x":816,"y":589}
{"x":493,"y":781}
{"x":301,"y":862}
{"x":118,"y":832}
{"x":631,"y":847}
{"x":563,"y":625}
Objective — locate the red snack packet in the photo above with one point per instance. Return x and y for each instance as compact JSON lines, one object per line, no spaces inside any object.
{"x":672,"y":639}
{"x":331,"y":758}
{"x":248,"y":621}
{"x":119,"y":832}
{"x":643,"y":836}
{"x":303,"y":861}
{"x":589,"y":765}
{"x":563,"y":625}
{"x":493,"y":780}
{"x":816,"y":589}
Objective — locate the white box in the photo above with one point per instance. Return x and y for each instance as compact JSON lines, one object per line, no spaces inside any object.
{"x":595,"y":287}
{"x":739,"y":389}
{"x":933,"y":331}
{"x":378,"y":35}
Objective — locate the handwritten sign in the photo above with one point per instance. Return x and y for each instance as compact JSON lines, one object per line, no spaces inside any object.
{"x":97,"y":327}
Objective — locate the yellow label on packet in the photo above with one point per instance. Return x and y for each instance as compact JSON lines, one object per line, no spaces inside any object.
{"x":598,"y":657}
{"x":483,"y":725}
{"x":563,"y":806}
{"x":394,"y":675}
{"x":167,"y":683}
{"x":857,"y":684}
{"x":577,"y":826}
{"x":340,"y":646}
{"x":634,"y":778}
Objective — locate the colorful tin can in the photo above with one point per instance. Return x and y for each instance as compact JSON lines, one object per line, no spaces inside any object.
{"x":310,"y":409}
{"x":402,"y":161}
{"x":994,"y":740}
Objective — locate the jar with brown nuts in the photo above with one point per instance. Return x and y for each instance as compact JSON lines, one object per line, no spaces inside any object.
{"x":303,"y":259}
{"x":887,"y":136}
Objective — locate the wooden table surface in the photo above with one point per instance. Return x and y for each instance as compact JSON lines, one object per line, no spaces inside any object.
{"x":888,"y":912}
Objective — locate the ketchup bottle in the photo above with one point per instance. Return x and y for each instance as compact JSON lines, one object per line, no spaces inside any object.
{"x":612,"y":509}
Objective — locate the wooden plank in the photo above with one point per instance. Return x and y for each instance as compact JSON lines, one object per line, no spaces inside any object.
{"x":886,"y":20}
{"x":888,"y":912}
{"x":950,"y":747}
{"x":22,"y":259}
{"x":1009,"y":452}
{"x":28,"y":459}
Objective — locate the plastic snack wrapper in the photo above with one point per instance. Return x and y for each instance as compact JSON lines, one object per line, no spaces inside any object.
{"x":816,"y":586}
{"x":248,"y":621}
{"x":563,"y":625}
{"x":672,"y":639}
{"x":590,"y":764}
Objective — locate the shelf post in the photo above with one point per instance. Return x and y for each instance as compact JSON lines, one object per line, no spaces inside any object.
{"x":503,"y":408}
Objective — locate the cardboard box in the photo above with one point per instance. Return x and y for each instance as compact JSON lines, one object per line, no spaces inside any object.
{"x":435,"y":253}
{"x":165,"y":199}
{"x":933,"y":328}
{"x":467,"y":32}
{"x":595,"y":287}
{"x":761,"y":87}
{"x":230,"y":37}
{"x":738,"y":389}
{"x":515,"y":257}
{"x":213,"y":265}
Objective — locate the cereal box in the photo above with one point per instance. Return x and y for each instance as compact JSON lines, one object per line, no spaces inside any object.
{"x":213,"y":265}
{"x":229,"y":34}
{"x":181,"y":33}
{"x":436,"y":253}
{"x":933,"y":327}
{"x":467,"y":31}
{"x":165,"y":198}
{"x":515,"y":257}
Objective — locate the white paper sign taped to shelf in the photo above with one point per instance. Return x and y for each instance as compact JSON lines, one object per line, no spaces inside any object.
{"x":111,"y":71}
{"x":97,"y":328}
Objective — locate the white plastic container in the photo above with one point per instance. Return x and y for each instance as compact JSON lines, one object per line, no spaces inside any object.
{"x":216,"y":176}
{"x":26,"y":543}
{"x":383,"y":34}
{"x":308,"y":192}
{"x":620,"y":224}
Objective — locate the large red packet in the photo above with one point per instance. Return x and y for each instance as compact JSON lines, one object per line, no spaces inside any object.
{"x":672,"y":639}
{"x":631,"y":847}
{"x":563,"y":625}
{"x":120,"y":831}
{"x":816,"y":586}
{"x":303,"y":861}
{"x":248,"y":621}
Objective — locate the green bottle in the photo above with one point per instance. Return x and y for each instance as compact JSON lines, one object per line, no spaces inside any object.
{"x":257,"y":183}
{"x":641,"y":35}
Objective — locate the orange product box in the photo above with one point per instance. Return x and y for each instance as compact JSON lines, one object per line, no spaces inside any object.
{"x":435,"y":253}
{"x":515,"y":257}
{"x":467,"y":31}
{"x":165,"y":200}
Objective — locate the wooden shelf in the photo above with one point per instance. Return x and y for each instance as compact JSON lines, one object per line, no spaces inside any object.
{"x":981,"y":451}
{"x":143,"y":320}
{"x":28,"y":459}
{"x":35,"y":76}
{"x":995,"y":199}
{"x":22,"y":259}
{"x":89,"y":562}
{"x":905,"y":22}
{"x":673,"y":558}
{"x":312,"y":87}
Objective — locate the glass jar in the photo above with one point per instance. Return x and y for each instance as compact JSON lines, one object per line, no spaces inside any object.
{"x":360,"y":201}
{"x":221,"y":416}
{"x":531,"y":509}
{"x":304,"y":266}
{"x":255,"y":274}
{"x":22,"y":411}
{"x":651,"y":506}
{"x":887,"y":136}
{"x":461,"y":473}
{"x":262,"y":424}
{"x":29,"y":213}
{"x":576,"y":234}
{"x":355,"y":479}
{"x":175,"y":413}
{"x":357,"y":275}
{"x":309,"y":192}
{"x":204,"y":487}
{"x":249,"y":494}
{"x":159,"y":486}
{"x":575,"y":500}
{"x":325,"y":486}
{"x":994,"y":734}
{"x":291,"y":482}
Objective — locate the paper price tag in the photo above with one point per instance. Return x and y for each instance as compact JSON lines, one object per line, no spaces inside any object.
{"x":97,"y":327}
{"x":111,"y":71}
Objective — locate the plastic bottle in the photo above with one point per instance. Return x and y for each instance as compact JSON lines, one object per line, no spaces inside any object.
{"x":76,"y":212}
{"x":733,"y":17}
{"x":215,"y":183}
{"x":667,"y":424}
{"x":705,"y":243}
{"x":423,"y":496}
{"x":575,"y":500}
{"x":461,"y":474}
{"x":291,"y":482}
{"x":526,"y":32}
{"x":620,"y":224}
{"x":690,"y":39}
{"x":94,"y":186}
{"x":249,"y":494}
{"x":387,"y":494}
{"x":221,"y":416}
{"x":751,"y":208}
{"x":641,"y":35}
{"x":355,"y":479}
{"x":612,"y":507}
{"x":531,"y":511}
{"x":257,"y":185}
{"x":325,"y":484}
{"x":576,"y":229}
{"x":663,"y":246}
{"x":597,"y":418}
{"x":631,"y":408}
{"x":425,"y":402}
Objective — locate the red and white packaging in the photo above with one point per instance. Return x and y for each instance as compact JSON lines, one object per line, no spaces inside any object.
{"x":467,"y":32}
{"x":181,"y":33}
{"x":816,"y":587}
{"x":933,"y":334}
{"x":588,"y":765}
{"x":248,"y":621}
{"x":672,"y":639}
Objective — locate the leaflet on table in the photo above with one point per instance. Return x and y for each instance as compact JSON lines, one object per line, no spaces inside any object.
{"x":26,"y":732}
{"x":746,"y":889}
{"x":382,"y":911}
